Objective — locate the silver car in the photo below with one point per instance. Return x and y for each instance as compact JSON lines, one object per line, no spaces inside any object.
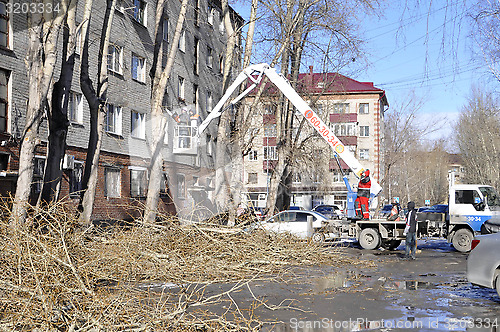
{"x":483,"y":263}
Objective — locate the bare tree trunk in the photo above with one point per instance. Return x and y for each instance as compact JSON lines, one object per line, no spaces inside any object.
{"x":159,"y":83}
{"x":96,"y":101}
{"x":40,"y":62}
{"x":58,"y":112}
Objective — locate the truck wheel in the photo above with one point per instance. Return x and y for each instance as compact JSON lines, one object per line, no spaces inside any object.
{"x":462,"y":240}
{"x":391,"y":244}
{"x":318,"y":237}
{"x":497,"y":281}
{"x":369,"y":238}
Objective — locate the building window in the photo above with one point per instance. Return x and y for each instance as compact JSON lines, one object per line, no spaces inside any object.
{"x":364,"y":131}
{"x":364,"y":154}
{"x":138,"y":124}
{"x":344,"y":129}
{"x":4,"y":99}
{"x":115,"y":58}
{"x":364,"y":108}
{"x":340,"y":108}
{"x":184,"y":137}
{"x":195,"y":98}
{"x":114,"y":119}
{"x":140,"y":11}
{"x":182,"y":41}
{"x":210,"y":57}
{"x":181,"y":186}
{"x":181,"y":89}
{"x":38,"y":171}
{"x":4,"y":24}
{"x":270,"y":108}
{"x":138,"y":68}
{"x":197,"y":12}
{"x":4,"y":161}
{"x":138,"y":182}
{"x":165,"y":29}
{"x":209,"y":101}
{"x":211,"y":14}
{"x":75,"y":108}
{"x":270,"y":130}
{"x":112,"y":182}
{"x":196,"y":55}
{"x":253,"y":155}
{"x":252,"y":178}
{"x":337,"y":176}
{"x":78,"y":41}
{"x":270,"y":153}
{"x":75,"y":180}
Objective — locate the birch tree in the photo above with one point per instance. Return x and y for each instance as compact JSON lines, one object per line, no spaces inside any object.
{"x":159,"y":79}
{"x":477,"y":135}
{"x":43,"y":37}
{"x":57,"y":111}
{"x":96,"y":98}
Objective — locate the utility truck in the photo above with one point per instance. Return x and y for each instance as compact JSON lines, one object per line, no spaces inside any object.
{"x":474,"y":204}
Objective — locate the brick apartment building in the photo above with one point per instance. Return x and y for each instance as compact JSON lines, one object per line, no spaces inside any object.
{"x":353,"y":110}
{"x":193,"y":87}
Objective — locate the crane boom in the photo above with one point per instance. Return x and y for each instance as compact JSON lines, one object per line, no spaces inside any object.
{"x":255,"y":74}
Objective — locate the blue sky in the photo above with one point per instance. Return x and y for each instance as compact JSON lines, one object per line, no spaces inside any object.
{"x":427,"y":54}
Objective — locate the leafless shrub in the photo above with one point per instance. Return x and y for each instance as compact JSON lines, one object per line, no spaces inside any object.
{"x":58,"y":276}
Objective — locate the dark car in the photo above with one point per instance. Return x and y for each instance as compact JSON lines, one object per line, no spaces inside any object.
{"x":330,"y":211}
{"x":438,"y":208}
{"x":385,"y":211}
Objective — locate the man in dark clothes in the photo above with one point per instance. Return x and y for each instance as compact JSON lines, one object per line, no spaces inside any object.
{"x":411,"y":231}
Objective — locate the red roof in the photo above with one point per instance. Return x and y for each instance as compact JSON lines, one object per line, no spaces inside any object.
{"x":333,"y":83}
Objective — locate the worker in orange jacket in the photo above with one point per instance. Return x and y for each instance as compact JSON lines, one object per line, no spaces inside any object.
{"x":361,"y":202}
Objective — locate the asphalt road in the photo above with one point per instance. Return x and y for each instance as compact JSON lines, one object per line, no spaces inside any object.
{"x":430,"y":293}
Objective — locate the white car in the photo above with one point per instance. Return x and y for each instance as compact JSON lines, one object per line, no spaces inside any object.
{"x":295,"y":222}
{"x":483,"y":263}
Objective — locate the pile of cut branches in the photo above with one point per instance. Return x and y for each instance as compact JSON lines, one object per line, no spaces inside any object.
{"x":57,"y":275}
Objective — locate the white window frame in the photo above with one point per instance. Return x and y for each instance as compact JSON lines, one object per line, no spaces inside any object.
{"x":364,"y":131}
{"x":75,"y":107}
{"x":253,"y":155}
{"x":138,"y":125}
{"x":115,"y":58}
{"x":6,"y":88}
{"x":253,"y":178}
{"x":76,"y":175}
{"x":270,"y":153}
{"x":181,"y":88}
{"x":165,"y":29}
{"x":140,"y":13}
{"x":270,"y":130}
{"x":364,"y":108}
{"x":211,"y":14}
{"x":181,"y":186}
{"x":182,"y":41}
{"x":364,"y":154}
{"x":8,"y":34}
{"x":38,"y":173}
{"x":340,"y":108}
{"x":185,"y":138}
{"x":138,"y":68}
{"x":114,"y":113}
{"x":210,"y":101}
{"x":112,"y":190}
{"x":138,"y":181}
{"x":343,"y":129}
{"x":210,"y":57}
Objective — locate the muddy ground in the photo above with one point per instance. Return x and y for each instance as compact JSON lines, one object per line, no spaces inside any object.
{"x":428,"y":294}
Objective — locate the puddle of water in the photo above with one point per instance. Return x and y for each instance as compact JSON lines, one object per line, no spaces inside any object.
{"x":340,"y":279}
{"x":411,"y":285}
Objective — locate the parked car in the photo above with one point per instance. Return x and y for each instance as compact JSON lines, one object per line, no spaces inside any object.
{"x":385,"y":211}
{"x":483,"y":263}
{"x":438,"y":208}
{"x":295,"y":222}
{"x":332,"y":211}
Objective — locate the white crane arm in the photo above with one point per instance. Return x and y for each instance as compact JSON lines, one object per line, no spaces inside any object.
{"x":311,"y":117}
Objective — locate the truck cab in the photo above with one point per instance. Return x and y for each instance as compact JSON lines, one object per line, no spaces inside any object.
{"x":470,"y":206}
